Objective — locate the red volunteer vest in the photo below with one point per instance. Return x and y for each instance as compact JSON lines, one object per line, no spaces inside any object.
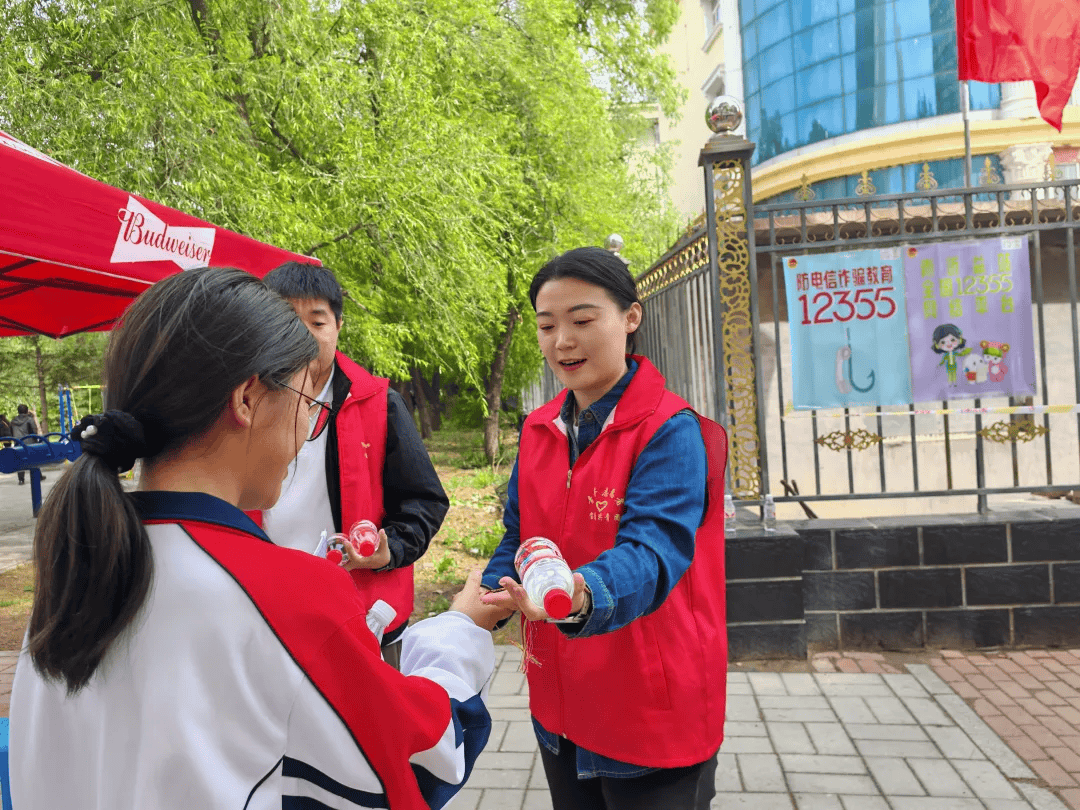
{"x":653,"y":692}
{"x":360,"y":425}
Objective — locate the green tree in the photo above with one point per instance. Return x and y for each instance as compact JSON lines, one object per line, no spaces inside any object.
{"x":434,"y":153}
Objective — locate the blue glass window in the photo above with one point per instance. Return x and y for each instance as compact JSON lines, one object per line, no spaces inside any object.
{"x":817,"y":44}
{"x":778,"y":98}
{"x":774,"y":26}
{"x":776,"y":63}
{"x":847,"y":33}
{"x":821,"y":121}
{"x":810,"y":12}
{"x":820,"y":82}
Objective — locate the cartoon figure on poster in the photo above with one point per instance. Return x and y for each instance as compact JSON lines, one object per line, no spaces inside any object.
{"x":848,"y":329}
{"x":969,"y":306}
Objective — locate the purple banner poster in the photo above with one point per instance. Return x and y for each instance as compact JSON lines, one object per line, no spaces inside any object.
{"x":969,"y":319}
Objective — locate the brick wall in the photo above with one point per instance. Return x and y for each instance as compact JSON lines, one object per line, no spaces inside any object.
{"x":1006,"y":580}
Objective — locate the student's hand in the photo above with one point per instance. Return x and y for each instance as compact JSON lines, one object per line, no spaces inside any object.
{"x":380,"y":558}
{"x":517,"y":598}
{"x":468,"y":601}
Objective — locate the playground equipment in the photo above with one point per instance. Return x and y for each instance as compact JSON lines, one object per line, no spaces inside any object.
{"x":31,"y":453}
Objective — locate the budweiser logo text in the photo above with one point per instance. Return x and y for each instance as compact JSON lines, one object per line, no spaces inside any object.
{"x":143,"y":237}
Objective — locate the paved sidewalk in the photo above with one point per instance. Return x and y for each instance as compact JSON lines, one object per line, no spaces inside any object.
{"x":811,"y":741}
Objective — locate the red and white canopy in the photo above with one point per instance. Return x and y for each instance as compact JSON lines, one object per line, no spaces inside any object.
{"x":74,"y":251}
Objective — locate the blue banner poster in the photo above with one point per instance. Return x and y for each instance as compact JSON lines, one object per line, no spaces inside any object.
{"x":969,"y":318}
{"x":848,"y":329}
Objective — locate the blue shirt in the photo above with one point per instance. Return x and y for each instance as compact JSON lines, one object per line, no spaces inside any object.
{"x":665,"y":504}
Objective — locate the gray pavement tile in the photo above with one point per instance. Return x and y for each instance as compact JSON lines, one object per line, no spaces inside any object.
{"x":727,"y":774}
{"x":792,"y":702}
{"x":894,"y":777}
{"x":935,"y":803}
{"x":842,"y":684}
{"x":864,"y":803}
{"x":897,"y":748}
{"x":889,"y":710}
{"x":985,"y":737}
{"x":866,"y":731}
{"x":832,"y":783}
{"x":537,"y":800}
{"x":747,"y":745}
{"x":498,"y":778}
{"x":465,"y":799}
{"x":537,"y":779}
{"x":817,"y":801}
{"x":503,"y":759}
{"x":800,"y":683}
{"x":519,"y":737}
{"x":852,"y":710}
{"x":742,"y":708}
{"x":761,"y":773}
{"x":737,"y":677}
{"x":1011,"y":804}
{"x":507,"y":701}
{"x":927,"y":712}
{"x":743,"y":729}
{"x":798,"y":715}
{"x":830,"y":738}
{"x":501,"y":800}
{"x":803,"y":763}
{"x":507,"y":682}
{"x":1041,"y":798}
{"x":767,"y":683}
{"x":939,"y":777}
{"x":751,"y":801}
{"x":929,"y":679}
{"x":790,"y":738}
{"x":954,"y":743}
{"x":905,"y":686}
{"x":498,"y":729}
{"x":739,"y":688}
{"x":985,"y":779}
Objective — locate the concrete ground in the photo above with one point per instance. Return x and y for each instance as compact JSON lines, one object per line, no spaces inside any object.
{"x":942,"y":730}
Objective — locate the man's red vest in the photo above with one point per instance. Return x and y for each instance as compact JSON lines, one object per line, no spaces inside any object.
{"x":360,"y":424}
{"x":653,"y":692}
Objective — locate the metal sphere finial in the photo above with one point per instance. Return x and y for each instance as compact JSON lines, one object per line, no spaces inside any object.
{"x":724,"y":114}
{"x":614,"y":243}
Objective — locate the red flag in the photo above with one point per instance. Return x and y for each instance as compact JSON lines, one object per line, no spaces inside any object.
{"x":1020,"y":40}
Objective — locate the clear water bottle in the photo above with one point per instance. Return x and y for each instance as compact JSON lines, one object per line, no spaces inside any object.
{"x":545,"y":576}
{"x":769,"y":514}
{"x":729,"y":515}
{"x":364,"y":536}
{"x":379,"y":617}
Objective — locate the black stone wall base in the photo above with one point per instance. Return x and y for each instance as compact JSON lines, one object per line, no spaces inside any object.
{"x":964,"y":582}
{"x":748,"y":641}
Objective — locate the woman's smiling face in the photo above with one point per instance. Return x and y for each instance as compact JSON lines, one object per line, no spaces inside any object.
{"x":949,"y":343}
{"x":582,"y":334}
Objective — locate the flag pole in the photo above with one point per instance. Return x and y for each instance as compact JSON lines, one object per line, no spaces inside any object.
{"x":964,"y":106}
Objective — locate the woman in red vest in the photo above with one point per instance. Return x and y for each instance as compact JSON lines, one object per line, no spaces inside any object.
{"x":626,"y":694}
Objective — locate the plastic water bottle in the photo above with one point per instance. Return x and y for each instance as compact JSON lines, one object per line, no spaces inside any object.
{"x":365,"y":537}
{"x":729,"y":515}
{"x":545,"y":576}
{"x":769,"y":514}
{"x":379,"y":617}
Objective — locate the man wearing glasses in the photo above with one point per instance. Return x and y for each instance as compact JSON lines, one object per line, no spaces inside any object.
{"x":363,"y":460}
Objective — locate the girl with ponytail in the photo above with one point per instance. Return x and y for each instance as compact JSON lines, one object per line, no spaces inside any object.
{"x":167,"y":664}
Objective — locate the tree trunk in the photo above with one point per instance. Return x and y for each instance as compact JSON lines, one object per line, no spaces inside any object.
{"x":493,"y":387}
{"x":431,"y":394}
{"x":39,"y":367}
{"x":422,"y":404}
{"x":402,"y":388}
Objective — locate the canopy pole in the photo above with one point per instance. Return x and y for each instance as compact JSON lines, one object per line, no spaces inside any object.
{"x":965,"y":105}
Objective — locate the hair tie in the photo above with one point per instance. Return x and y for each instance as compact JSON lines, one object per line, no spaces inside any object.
{"x":116,"y":437}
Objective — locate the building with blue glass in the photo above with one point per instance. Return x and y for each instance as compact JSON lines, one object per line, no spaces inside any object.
{"x":845,"y":95}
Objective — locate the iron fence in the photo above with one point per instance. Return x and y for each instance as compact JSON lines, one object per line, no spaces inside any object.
{"x":973,"y":448}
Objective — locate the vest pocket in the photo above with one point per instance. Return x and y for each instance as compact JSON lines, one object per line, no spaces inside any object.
{"x":647,"y":651}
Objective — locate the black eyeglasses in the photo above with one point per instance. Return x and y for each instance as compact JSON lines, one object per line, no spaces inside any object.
{"x":319,"y":414}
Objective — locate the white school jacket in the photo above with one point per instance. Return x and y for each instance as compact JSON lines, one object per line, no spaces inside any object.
{"x":250,"y":681}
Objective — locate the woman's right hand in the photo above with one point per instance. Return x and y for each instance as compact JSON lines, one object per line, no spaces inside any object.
{"x":468,"y":602}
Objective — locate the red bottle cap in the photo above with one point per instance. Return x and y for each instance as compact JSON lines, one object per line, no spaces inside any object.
{"x":334,"y":556}
{"x":557,"y":603}
{"x":366,"y":547}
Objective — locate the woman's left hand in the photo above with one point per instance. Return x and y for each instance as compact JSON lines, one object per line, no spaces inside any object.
{"x":380,"y":558}
{"x":515,"y":597}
